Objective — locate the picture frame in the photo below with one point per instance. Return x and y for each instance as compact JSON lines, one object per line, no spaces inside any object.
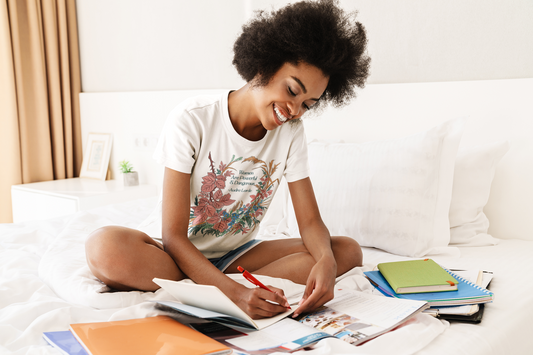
{"x":96,"y":156}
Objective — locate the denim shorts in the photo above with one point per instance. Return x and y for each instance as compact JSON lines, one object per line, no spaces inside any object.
{"x":224,"y":261}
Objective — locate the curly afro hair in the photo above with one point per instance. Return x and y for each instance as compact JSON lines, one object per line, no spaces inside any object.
{"x":315,"y":32}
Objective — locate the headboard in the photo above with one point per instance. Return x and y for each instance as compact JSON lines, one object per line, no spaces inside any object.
{"x":496,"y":110}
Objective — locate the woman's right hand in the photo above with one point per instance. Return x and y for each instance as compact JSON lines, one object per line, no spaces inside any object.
{"x":255,"y":301}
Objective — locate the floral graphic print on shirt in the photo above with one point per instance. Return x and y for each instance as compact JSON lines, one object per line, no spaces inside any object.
{"x":215,"y":212}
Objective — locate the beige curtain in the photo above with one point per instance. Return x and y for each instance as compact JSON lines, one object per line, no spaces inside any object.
{"x":40,"y":135}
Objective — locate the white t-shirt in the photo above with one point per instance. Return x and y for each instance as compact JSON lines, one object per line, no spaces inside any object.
{"x":233,"y":180}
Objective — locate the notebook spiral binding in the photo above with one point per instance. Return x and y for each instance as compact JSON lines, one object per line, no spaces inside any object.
{"x":457,"y":277}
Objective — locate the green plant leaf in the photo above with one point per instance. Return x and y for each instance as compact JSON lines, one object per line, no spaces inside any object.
{"x":125,"y":166}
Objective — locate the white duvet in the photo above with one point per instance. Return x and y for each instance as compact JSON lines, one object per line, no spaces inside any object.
{"x":45,"y":285}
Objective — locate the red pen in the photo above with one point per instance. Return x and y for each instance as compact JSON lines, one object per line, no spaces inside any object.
{"x":253,"y":280}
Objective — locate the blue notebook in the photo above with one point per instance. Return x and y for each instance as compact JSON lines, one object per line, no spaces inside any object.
{"x":65,"y":342}
{"x":467,"y":292}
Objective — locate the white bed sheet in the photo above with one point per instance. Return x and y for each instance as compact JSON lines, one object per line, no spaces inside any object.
{"x":45,"y":285}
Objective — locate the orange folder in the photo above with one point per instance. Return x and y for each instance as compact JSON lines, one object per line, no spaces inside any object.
{"x":155,"y":335}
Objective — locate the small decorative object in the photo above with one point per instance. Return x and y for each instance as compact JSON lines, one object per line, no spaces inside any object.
{"x":96,"y":157}
{"x":131,"y":178}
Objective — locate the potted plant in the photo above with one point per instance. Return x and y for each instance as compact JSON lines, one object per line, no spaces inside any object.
{"x":131,"y":178}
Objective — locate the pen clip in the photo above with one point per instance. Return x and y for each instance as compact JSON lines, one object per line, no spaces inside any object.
{"x":247,"y":277}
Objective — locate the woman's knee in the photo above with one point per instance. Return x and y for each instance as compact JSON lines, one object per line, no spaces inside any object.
{"x":347,"y":252}
{"x":128,"y":259}
{"x":105,"y":245}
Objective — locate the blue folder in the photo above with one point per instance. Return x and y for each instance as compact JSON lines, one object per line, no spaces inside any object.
{"x":65,"y":342}
{"x":467,"y":292}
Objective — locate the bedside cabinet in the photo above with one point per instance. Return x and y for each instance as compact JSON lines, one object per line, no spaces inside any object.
{"x":49,"y":199}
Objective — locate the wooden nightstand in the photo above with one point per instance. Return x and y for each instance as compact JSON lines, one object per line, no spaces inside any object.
{"x":49,"y":199}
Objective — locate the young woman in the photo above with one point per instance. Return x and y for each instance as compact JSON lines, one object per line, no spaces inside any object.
{"x":224,"y":157}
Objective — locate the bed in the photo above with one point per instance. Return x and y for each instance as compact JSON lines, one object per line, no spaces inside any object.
{"x":477,"y":167}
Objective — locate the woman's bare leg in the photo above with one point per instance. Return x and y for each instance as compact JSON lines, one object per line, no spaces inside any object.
{"x":290,"y":259}
{"x":127,"y":259}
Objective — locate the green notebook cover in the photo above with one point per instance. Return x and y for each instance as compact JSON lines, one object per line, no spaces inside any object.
{"x":414,"y":276}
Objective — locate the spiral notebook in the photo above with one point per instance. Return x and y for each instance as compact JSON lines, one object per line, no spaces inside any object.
{"x":467,"y":292}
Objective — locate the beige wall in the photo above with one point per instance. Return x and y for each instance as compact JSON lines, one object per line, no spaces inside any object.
{"x":144,"y":45}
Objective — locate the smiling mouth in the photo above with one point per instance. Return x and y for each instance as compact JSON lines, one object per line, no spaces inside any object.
{"x":279,"y":115}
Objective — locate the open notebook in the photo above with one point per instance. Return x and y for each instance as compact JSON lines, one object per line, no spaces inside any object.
{"x":208,"y":302}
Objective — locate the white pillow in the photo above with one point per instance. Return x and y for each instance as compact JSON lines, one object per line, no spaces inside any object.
{"x":393,"y":195}
{"x":474,"y":171}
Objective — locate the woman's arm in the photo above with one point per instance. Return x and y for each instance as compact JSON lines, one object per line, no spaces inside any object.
{"x":321,"y":281}
{"x":176,"y":210}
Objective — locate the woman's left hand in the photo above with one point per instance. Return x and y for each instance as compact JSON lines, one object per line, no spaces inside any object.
{"x":320,"y":286}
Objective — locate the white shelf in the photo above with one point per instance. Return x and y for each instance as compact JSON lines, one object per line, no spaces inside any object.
{"x":49,"y":199}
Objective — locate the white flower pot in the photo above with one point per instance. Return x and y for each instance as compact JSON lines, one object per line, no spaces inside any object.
{"x":131,"y":179}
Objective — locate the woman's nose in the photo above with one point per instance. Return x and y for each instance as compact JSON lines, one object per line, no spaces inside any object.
{"x":293,"y":109}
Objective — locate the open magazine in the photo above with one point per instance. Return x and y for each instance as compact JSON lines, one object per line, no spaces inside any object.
{"x":352,"y":316}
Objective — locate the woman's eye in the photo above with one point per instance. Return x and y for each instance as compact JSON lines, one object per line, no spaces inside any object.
{"x":290,"y":90}
{"x":293,"y":94}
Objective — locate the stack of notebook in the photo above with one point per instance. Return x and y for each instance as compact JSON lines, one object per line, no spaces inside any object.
{"x":447,"y":292}
{"x":153,"y":335}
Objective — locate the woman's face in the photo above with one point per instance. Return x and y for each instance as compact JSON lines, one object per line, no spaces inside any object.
{"x":289,"y":94}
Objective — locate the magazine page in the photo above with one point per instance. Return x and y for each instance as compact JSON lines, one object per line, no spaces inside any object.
{"x":354,"y":316}
{"x":285,"y":335}
{"x":351,"y":316}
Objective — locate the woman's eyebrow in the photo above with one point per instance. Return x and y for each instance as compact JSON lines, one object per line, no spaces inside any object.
{"x":300,"y":83}
{"x":302,"y":86}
